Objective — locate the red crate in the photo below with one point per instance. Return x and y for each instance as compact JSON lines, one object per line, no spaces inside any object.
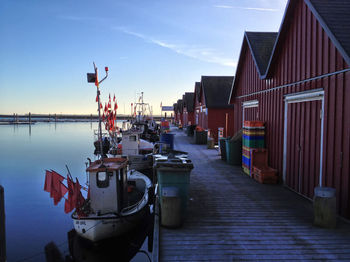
{"x":259,"y":157}
{"x":253,"y":123}
{"x":265,"y":175}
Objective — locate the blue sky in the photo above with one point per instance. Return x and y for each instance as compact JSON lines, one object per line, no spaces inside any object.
{"x":160,"y":47}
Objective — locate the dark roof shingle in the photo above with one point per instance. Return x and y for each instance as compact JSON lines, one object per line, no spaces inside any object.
{"x":189,"y":99}
{"x":261,"y":45}
{"x":334,"y":15}
{"x":216,"y":90}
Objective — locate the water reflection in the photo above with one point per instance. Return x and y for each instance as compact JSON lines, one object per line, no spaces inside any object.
{"x":32,"y":220}
{"x":123,"y":248}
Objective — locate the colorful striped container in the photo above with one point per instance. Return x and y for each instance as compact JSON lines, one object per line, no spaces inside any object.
{"x":253,"y":138}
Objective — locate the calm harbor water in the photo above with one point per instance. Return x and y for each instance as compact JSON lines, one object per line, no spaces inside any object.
{"x":32,"y":220}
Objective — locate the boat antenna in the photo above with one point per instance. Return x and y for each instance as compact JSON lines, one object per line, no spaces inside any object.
{"x":93,"y":78}
{"x":70,"y":175}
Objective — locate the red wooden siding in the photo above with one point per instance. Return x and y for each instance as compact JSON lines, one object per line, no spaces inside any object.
{"x":217,"y":118}
{"x":304,"y":51}
{"x":303,"y":146}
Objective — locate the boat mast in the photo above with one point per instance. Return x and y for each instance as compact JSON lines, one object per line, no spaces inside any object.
{"x":97,"y":83}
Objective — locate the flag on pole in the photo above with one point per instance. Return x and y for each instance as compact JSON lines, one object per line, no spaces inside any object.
{"x":109,"y":97}
{"x":96,"y":78}
{"x":97,"y":98}
{"x":115,"y":105}
{"x":114,"y":98}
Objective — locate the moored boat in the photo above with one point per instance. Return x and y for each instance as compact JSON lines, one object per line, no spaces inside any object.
{"x":118,"y":200}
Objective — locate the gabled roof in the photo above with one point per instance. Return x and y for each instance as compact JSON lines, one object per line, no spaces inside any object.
{"x":216,"y":90}
{"x":175,"y":107}
{"x":189,"y":101}
{"x":333,"y":16}
{"x":197,"y":90}
{"x":261,"y":45}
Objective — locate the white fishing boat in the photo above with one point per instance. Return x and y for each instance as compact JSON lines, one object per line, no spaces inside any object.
{"x":118,"y":200}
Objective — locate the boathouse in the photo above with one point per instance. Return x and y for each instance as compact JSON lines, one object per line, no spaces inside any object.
{"x":188,"y":109}
{"x":180,"y":111}
{"x":176,"y":120}
{"x":212,"y":109}
{"x":298,"y":83}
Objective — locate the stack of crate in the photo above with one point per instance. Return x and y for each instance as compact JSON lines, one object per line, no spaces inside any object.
{"x":260,"y":170}
{"x":253,"y":138}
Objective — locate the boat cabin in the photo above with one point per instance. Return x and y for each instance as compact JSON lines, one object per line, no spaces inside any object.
{"x":108,"y":185}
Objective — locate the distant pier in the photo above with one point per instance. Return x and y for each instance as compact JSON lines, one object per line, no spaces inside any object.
{"x":28,"y":119}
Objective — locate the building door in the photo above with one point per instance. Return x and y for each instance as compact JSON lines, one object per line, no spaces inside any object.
{"x":302,"y":170}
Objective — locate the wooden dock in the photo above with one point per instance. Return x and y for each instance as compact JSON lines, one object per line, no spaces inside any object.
{"x":232,"y":218}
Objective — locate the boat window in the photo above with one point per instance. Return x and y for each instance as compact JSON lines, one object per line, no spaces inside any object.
{"x":102,"y":179}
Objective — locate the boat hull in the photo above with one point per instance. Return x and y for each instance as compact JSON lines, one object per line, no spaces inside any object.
{"x":96,"y":228}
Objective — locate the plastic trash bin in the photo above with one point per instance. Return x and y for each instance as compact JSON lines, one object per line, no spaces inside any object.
{"x":222,"y":144}
{"x":168,"y":138}
{"x":234,"y":152}
{"x":200,"y":137}
{"x":174,"y":172}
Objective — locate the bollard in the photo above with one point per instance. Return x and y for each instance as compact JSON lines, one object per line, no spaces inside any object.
{"x":170,"y":207}
{"x":325,"y":212}
{"x":30,"y":118}
{"x":2,"y":226}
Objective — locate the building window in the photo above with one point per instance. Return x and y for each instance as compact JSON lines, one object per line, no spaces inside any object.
{"x":102,"y":179}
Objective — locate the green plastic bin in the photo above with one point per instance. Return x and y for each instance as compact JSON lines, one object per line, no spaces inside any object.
{"x":200,"y":137}
{"x":222,"y":143}
{"x":174,"y":172}
{"x":234,"y":152}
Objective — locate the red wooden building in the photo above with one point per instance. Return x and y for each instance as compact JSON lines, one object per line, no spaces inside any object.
{"x":298,"y":82}
{"x":188,"y":109}
{"x":180,"y":111}
{"x":176,"y":116}
{"x":211,"y":104}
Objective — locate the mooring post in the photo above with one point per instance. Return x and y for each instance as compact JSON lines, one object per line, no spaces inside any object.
{"x":30,"y":118}
{"x":91,"y":117}
{"x":2,"y":226}
{"x":14,"y":117}
{"x":55,"y":117}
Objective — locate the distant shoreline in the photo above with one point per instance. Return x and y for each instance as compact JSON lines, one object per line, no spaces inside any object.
{"x":47,"y":118}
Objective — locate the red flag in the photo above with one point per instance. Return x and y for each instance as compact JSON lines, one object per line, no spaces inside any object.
{"x":97,"y":98}
{"x":96,"y":79}
{"x":69,"y":204}
{"x":109,"y":104}
{"x":114,"y":98}
{"x":58,"y":190}
{"x":103,"y":116}
{"x":105,"y":107}
{"x":116,"y":105}
{"x":100,"y":106}
{"x":59,"y":193}
{"x":109,"y":97}
{"x":48,"y":181}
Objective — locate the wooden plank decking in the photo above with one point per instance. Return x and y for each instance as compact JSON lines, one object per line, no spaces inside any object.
{"x":231,"y":218}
